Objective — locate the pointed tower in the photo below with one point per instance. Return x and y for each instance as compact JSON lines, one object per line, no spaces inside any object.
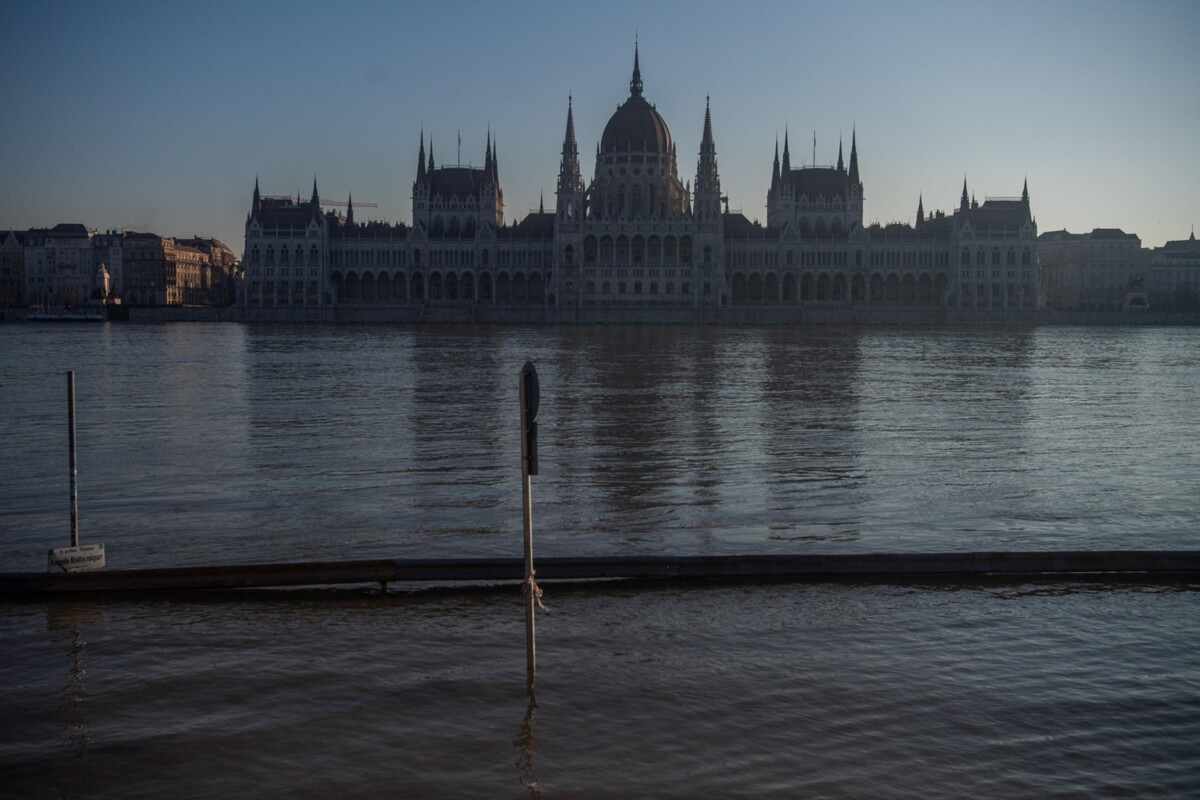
{"x":854,"y":179}
{"x":256,"y":203}
{"x":840,"y":167}
{"x":964,"y":202}
{"x":787,"y":156}
{"x":569,"y":192}
{"x":635,"y":83}
{"x":315,"y":201}
{"x":920,"y":209}
{"x":487,"y":159}
{"x":349,"y":211}
{"x":430,"y":167}
{"x":1025,"y":198}
{"x":707,"y":203}
{"x":775,"y":167}
{"x":421,"y":159}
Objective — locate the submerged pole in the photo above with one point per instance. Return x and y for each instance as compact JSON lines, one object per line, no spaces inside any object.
{"x":71,"y":444}
{"x":529,"y":408}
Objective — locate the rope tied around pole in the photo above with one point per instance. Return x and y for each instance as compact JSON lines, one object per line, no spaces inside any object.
{"x":529,"y":586}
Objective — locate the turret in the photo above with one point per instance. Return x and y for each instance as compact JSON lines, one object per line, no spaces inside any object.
{"x":965,"y":201}
{"x":854,"y":179}
{"x":787,"y":156}
{"x":487,"y":160}
{"x":569,"y":178}
{"x":840,"y":166}
{"x":708,"y":180}
{"x":775,"y":167}
{"x":421,"y":159}
{"x":707,"y":177}
{"x":635,"y":83}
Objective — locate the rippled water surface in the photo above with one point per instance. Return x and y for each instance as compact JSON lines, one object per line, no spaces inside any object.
{"x":206,"y":444}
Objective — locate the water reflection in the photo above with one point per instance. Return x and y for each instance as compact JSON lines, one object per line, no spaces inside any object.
{"x":208,"y":443}
{"x":527,"y":745}
{"x":72,"y":705}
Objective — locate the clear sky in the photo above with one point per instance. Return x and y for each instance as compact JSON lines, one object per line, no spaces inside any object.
{"x":159,"y":115}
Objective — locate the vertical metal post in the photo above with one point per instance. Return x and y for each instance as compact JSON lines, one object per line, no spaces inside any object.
{"x":530,"y":399}
{"x":527,"y":509}
{"x":71,"y":442}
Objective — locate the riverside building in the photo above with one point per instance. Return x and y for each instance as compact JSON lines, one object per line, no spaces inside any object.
{"x":639,"y":244}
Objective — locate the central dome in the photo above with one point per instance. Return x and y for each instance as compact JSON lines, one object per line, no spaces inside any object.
{"x":636,"y":126}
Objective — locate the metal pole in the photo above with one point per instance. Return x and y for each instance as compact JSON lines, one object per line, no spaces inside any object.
{"x":527,"y":509}
{"x":71,"y":440}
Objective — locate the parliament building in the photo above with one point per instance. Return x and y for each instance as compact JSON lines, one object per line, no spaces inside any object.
{"x":639,"y":244}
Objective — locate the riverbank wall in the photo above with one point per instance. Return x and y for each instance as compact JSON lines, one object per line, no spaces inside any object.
{"x":471,"y":314}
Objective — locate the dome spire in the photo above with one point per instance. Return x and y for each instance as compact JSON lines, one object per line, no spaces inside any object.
{"x":635,"y":83}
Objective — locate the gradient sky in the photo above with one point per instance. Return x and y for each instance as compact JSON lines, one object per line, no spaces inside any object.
{"x":159,"y":115}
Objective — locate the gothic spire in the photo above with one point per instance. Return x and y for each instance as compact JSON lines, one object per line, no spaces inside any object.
{"x":487,"y":158}
{"x":854,"y":158}
{"x":965,"y":201}
{"x":707,"y":179}
{"x":840,"y":166}
{"x":430,"y":167}
{"x":569,"y":179}
{"x":495,"y":164}
{"x":787,"y":156}
{"x":315,"y":202}
{"x":1025,"y":192}
{"x":350,"y":209}
{"x":920,"y":208}
{"x":635,"y":83}
{"x":256,"y":203}
{"x":775,"y":166}
{"x":421,"y":158}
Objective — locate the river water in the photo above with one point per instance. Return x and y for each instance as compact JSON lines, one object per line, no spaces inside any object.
{"x":220,"y":443}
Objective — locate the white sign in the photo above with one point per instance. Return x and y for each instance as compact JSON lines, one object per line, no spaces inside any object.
{"x":74,"y":559}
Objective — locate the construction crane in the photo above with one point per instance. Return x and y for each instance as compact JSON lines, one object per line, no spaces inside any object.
{"x":356,"y":205}
{"x":323,"y":202}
